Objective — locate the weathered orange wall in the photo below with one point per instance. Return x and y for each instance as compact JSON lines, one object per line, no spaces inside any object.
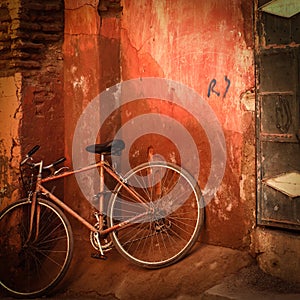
{"x":10,"y":148}
{"x":31,"y":104}
{"x":91,"y":64}
{"x":194,"y":42}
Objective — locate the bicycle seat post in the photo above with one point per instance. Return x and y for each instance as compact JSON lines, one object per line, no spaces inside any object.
{"x":101,"y":198}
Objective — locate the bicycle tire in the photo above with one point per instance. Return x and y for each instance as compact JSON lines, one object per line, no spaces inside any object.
{"x":173,"y":215}
{"x":33,"y":270}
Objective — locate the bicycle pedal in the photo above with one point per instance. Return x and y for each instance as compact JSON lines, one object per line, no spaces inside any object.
{"x":99,"y":256}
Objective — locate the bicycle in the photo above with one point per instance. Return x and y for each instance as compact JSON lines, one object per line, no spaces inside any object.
{"x":155,"y":215}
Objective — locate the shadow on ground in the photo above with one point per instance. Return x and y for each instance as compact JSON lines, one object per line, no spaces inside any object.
{"x":208,"y":273}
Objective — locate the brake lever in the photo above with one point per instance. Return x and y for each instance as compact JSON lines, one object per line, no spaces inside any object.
{"x":59,"y":170}
{"x":25,"y":161}
{"x":29,"y":154}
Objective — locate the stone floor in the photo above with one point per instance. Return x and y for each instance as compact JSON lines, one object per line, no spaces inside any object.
{"x":208,"y":273}
{"x":251,"y":283}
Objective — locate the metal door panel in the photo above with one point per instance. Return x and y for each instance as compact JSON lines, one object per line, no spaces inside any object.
{"x":277,"y":116}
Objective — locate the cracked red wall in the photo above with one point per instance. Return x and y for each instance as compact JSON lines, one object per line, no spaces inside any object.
{"x":91,"y":63}
{"x":195,"y":43}
{"x":10,"y":149}
{"x":31,"y":83}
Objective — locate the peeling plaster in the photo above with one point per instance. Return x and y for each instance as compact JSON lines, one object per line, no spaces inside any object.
{"x":180,"y":40}
{"x":82,"y":84}
{"x":10,"y":149}
{"x":172,"y":157}
{"x":248,"y":100}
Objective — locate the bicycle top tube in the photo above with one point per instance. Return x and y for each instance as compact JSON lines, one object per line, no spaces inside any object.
{"x":113,"y":147}
{"x":68,"y":173}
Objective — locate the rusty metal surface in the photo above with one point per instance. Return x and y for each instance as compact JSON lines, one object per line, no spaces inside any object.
{"x":277,"y":113}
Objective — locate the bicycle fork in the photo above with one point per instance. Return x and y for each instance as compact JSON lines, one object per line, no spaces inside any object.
{"x":35,"y":213}
{"x":35,"y":210}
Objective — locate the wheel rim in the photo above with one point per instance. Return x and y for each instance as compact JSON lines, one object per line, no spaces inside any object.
{"x":170,"y":230}
{"x":34,"y":268}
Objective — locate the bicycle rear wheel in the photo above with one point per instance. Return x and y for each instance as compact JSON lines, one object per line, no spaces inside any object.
{"x":32,"y":269}
{"x":164,"y":227}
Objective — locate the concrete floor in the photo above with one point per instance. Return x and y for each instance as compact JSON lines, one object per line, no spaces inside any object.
{"x":208,"y":273}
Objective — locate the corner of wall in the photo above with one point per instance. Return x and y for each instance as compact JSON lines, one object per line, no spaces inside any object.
{"x":10,"y":147}
{"x":277,"y":253}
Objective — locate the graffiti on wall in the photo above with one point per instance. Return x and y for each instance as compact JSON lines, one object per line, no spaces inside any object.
{"x":213,"y":89}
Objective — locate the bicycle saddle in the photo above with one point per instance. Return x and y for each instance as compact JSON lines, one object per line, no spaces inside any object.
{"x":113,"y":147}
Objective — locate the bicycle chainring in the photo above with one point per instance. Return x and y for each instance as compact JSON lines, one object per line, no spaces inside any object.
{"x":106,"y":242}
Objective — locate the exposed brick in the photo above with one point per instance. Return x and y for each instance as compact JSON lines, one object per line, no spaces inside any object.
{"x":33,"y":6}
{"x":30,"y":43}
{"x":3,"y":27}
{"x":4,"y":37}
{"x":20,"y":54}
{"x":30,"y":64}
{"x":4,"y":14}
{"x":20,"y":44}
{"x":4,"y":46}
{"x":53,"y":37}
{"x":56,"y":27}
{"x":42,"y":6}
{"x":45,"y":18}
{"x":21,"y":34}
{"x":29,"y":27}
{"x":54,"y":6}
{"x":6,"y":55}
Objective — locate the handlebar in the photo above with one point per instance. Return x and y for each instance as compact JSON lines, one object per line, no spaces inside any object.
{"x":57,"y":162}
{"x":29,"y":154}
{"x":32,"y":151}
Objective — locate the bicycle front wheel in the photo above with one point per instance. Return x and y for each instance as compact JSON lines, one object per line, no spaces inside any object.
{"x":32,"y":267}
{"x":159,"y":212}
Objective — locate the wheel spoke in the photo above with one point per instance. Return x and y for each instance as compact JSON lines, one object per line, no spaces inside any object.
{"x":33,"y":269}
{"x":174,"y":220}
